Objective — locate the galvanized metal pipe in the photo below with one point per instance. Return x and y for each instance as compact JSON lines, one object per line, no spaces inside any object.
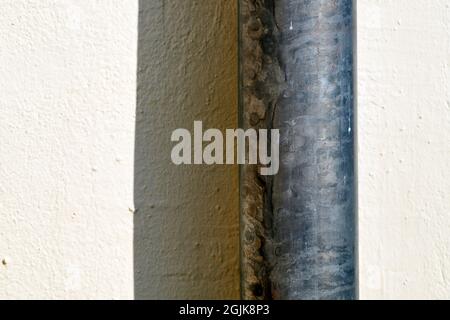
{"x":298,"y":227}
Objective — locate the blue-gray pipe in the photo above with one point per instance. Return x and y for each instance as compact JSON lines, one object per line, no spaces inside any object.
{"x":296,"y":75}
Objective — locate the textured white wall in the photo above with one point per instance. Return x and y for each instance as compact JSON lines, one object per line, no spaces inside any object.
{"x":67,"y":135}
{"x":404,"y":148}
{"x":83,"y":213}
{"x":68,"y":92}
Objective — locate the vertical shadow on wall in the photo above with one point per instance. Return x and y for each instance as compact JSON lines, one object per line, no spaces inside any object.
{"x":186,"y":221}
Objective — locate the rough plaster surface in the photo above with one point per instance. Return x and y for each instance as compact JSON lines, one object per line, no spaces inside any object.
{"x":70,"y":182}
{"x":186,"y":223}
{"x":68,"y":92}
{"x":404,"y":148}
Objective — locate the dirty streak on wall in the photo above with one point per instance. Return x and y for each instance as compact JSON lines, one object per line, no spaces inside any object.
{"x":186,"y":223}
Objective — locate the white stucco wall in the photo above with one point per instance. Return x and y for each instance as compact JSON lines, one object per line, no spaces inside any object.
{"x":187,"y":224}
{"x":67,"y":118}
{"x":68,"y":91}
{"x":90,"y":204}
{"x":404,"y":148}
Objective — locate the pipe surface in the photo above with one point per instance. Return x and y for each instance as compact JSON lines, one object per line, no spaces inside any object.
{"x":296,"y":75}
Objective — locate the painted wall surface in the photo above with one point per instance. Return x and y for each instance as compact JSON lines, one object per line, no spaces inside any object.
{"x":186,"y":233}
{"x":90,"y":207}
{"x":404,"y":148}
{"x":67,"y":118}
{"x":90,"y":203}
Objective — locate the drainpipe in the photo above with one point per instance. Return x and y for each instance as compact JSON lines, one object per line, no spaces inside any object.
{"x":298,"y":227}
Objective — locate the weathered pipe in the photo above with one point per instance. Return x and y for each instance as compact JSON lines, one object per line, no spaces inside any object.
{"x":298,"y":227}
